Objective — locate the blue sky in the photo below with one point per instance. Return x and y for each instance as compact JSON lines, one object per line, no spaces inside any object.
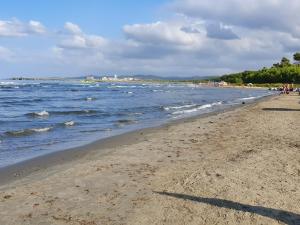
{"x":96,"y":16}
{"x":162,"y":37}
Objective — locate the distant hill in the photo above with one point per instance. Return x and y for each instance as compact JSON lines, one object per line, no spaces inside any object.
{"x":174,"y":78}
{"x":140,"y":76}
{"x":155,"y":77}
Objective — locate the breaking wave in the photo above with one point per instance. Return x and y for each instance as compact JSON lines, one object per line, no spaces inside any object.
{"x":26,"y":132}
{"x":39,"y":114}
{"x":69,"y":123}
{"x":168,"y":108}
{"x":195,"y":109}
{"x":248,"y":98}
{"x":72,"y":112}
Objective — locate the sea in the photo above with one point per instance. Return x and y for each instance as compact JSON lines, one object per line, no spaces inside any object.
{"x":41,"y":117}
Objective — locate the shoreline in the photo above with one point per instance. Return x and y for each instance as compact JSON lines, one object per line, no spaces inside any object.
{"x":24,"y":168}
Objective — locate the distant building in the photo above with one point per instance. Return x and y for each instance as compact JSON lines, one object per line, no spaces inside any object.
{"x":115,"y":78}
{"x":222,"y":83}
{"x":90,"y":77}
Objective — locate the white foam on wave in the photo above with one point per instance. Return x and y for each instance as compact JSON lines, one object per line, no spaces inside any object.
{"x":117,"y":86}
{"x":69,"y":123}
{"x":168,"y":108}
{"x":196,"y":108}
{"x":248,"y":98}
{"x":16,"y":133}
{"x":38,"y":130}
{"x":42,"y":113}
{"x":90,"y":99}
{"x":29,"y":131}
{"x":7,"y":83}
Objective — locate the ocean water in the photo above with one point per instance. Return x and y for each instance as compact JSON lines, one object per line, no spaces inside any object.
{"x":39,"y":117}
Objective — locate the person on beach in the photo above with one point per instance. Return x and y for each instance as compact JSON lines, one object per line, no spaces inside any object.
{"x":285,"y":89}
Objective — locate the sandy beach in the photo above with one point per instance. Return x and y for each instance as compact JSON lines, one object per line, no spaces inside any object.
{"x":241,"y":166}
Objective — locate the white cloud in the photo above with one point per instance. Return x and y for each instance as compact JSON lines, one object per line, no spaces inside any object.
{"x":181,"y":46}
{"x":36,"y":27}
{"x":220,"y":31}
{"x":76,"y":39}
{"x":73,"y":42}
{"x":16,"y":28}
{"x":276,"y":15}
{"x":72,"y":28}
{"x":160,"y":33}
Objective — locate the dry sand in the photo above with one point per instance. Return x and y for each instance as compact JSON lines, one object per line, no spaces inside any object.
{"x":236,"y":167}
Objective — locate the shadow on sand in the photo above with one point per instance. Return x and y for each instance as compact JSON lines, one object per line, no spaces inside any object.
{"x":286,"y":217}
{"x":281,"y":109}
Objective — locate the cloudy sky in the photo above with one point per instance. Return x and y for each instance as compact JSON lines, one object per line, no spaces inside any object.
{"x":161,"y":37}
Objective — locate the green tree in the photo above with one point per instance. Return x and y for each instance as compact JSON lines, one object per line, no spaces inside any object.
{"x":283,"y":72}
{"x":297,"y":57}
{"x":285,"y":62}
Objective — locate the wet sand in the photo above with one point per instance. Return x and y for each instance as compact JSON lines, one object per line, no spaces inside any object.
{"x":240,"y":166}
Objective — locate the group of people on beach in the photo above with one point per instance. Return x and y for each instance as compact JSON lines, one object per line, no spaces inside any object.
{"x":287,"y":88}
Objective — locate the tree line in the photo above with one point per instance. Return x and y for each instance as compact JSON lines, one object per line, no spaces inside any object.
{"x":282,"y":72}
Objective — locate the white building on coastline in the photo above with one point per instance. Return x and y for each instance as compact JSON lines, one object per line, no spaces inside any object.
{"x":115,"y":78}
{"x":109,"y":78}
{"x":90,"y":77}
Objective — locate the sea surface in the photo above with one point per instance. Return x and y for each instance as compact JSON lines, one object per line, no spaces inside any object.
{"x":39,"y":117}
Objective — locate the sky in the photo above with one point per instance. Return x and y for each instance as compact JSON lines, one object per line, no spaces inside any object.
{"x":152,"y":37}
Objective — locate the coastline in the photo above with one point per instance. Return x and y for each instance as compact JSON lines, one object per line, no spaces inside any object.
{"x":24,"y":168}
{"x":238,"y":166}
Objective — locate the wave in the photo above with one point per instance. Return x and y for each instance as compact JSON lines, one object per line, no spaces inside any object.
{"x":248,"y":98}
{"x":136,"y":113}
{"x":31,"y":131}
{"x":90,"y":99}
{"x":140,"y":110}
{"x":122,"y":86}
{"x":20,"y":100}
{"x":26,"y":132}
{"x":96,"y":130}
{"x":168,"y":108}
{"x":13,"y":85}
{"x":75,"y":112}
{"x":69,"y":123}
{"x":38,"y":130}
{"x":123,"y":122}
{"x":157,"y":90}
{"x":7,"y":83}
{"x":117,"y":86}
{"x":9,"y":87}
{"x":39,"y":114}
{"x":196,"y":108}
